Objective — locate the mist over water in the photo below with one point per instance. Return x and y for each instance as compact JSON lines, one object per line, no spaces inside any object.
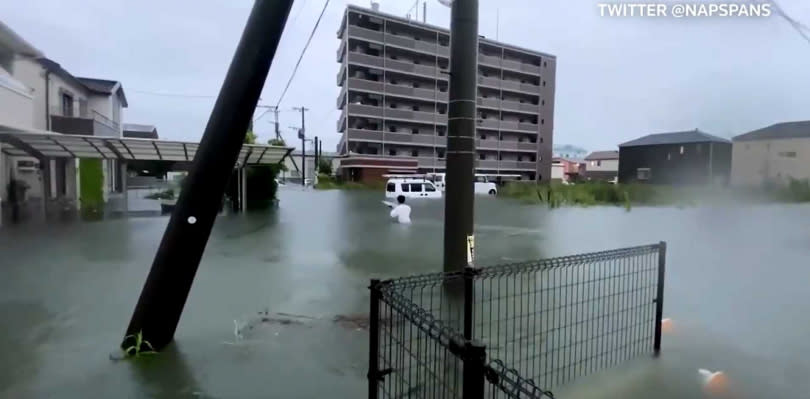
{"x":736,"y":291}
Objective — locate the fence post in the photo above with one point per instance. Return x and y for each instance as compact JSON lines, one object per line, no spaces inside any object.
{"x":473,"y":379}
{"x":469,"y":276}
{"x":659,"y":298}
{"x":374,"y":340}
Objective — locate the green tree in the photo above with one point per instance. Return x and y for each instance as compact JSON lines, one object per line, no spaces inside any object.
{"x":277,"y":142}
{"x":250,"y":137}
{"x":325,"y":167}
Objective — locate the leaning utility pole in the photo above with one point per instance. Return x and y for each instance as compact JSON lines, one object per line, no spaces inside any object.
{"x":461,"y":125}
{"x":302,"y":134}
{"x":167,"y":287}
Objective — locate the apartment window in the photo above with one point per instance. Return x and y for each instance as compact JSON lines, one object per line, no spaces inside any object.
{"x":416,"y":61}
{"x":415,"y":107}
{"x":415,"y":85}
{"x":788,"y":154}
{"x":393,"y":81}
{"x":392,"y":129}
{"x":414,"y":131}
{"x":394,"y":56}
{"x":544,"y":64}
{"x":541,"y":139}
{"x":522,"y":120}
{"x":544,"y":83}
{"x":520,"y":139}
{"x":67,"y":104}
{"x":533,"y":158}
{"x":414,"y":153}
{"x":483,"y":116}
{"x":393,"y":105}
{"x":440,"y":153}
{"x":481,"y":156}
{"x":392,"y":152}
{"x":483,"y":137}
{"x":643,"y":173}
{"x":542,"y":121}
{"x":520,"y":158}
{"x":543,"y":102}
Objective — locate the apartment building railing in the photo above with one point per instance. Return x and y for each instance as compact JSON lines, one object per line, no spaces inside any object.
{"x":515,"y":330}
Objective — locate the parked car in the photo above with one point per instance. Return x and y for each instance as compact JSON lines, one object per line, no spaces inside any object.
{"x":411,"y":188}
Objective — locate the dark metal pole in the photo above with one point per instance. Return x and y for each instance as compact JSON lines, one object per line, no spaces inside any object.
{"x":315,"y":144}
{"x":473,"y":377}
{"x":374,"y":340}
{"x":461,"y":123}
{"x":469,"y":276}
{"x":659,"y":297}
{"x":166,"y":289}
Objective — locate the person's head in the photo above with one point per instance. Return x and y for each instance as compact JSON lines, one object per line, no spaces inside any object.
{"x":401,"y":199}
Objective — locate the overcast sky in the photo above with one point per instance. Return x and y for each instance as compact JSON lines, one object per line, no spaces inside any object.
{"x":617,"y":79}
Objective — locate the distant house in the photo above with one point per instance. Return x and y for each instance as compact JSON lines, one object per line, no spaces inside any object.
{"x":140,"y":131}
{"x":568,"y":151}
{"x":567,"y":170}
{"x":689,"y":157}
{"x":775,"y":153}
{"x":602,"y":165}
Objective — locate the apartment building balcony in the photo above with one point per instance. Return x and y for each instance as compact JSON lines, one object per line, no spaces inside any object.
{"x":83,"y":121}
{"x":341,"y":75}
{"x":496,"y":83}
{"x":378,"y":136}
{"x":512,"y":106}
{"x":431,"y":162}
{"x":397,"y":90}
{"x":372,"y":61}
{"x":341,"y":122}
{"x":395,"y":113}
{"x":406,"y":43}
{"x":486,"y":163}
{"x":517,"y":165}
{"x":341,"y":51}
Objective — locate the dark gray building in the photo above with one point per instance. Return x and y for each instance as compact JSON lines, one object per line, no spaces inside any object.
{"x":689,"y":157}
{"x":394,"y":81}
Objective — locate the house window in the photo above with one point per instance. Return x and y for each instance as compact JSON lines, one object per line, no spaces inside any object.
{"x":788,"y":154}
{"x":643,"y":173}
{"x":67,"y":104}
{"x":669,"y":156}
{"x":414,"y":153}
{"x":598,"y":163}
{"x":593,"y":163}
{"x":681,"y":150}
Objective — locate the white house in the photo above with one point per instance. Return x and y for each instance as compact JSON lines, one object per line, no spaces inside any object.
{"x":775,"y":154}
{"x":38,"y":93}
{"x":602,"y":165}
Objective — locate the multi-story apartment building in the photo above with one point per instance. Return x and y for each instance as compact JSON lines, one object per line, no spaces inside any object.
{"x":394,"y":90}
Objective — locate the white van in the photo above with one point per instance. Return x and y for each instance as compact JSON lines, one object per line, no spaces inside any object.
{"x":482,"y":183}
{"x":411,"y":188}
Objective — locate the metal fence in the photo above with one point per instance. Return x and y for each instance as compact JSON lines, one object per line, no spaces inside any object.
{"x":514,"y":330}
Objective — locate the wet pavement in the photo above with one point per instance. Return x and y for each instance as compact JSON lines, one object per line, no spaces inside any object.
{"x":736,"y":292}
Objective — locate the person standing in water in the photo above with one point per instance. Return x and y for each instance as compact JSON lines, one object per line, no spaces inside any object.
{"x":401,"y":211}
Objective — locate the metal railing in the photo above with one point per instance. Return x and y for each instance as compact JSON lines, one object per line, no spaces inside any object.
{"x":514,"y":330}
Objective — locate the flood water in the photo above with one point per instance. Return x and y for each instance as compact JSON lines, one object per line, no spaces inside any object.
{"x":736,"y":289}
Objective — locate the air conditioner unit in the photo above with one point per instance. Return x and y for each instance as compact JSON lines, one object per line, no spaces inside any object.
{"x":27,"y":165}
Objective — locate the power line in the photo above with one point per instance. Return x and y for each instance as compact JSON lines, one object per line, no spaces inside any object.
{"x":155,"y":93}
{"x":311,"y":34}
{"x":797,"y":25}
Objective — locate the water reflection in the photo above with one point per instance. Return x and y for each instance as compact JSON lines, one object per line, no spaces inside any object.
{"x":167,"y":375}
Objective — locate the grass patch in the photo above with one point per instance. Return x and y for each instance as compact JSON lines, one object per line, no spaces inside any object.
{"x":589,"y":194}
{"x":91,"y":186}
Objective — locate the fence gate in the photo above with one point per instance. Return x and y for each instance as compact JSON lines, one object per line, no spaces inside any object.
{"x":516,"y":330}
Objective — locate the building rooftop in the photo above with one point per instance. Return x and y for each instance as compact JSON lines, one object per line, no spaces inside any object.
{"x":785,"y":130}
{"x":100,"y":86}
{"x":442,"y":29}
{"x":602,"y":155}
{"x":16,"y":43}
{"x":689,"y":136}
{"x":140,"y":131}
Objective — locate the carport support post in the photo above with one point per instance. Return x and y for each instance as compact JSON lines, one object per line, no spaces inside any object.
{"x":167,"y":287}
{"x":124,"y":189}
{"x":243,"y":192}
{"x":45,"y":166}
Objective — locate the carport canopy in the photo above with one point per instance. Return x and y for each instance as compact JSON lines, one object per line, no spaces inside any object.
{"x":44,"y":144}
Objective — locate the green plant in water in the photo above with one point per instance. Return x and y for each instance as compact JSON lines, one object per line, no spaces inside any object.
{"x":139,"y":345}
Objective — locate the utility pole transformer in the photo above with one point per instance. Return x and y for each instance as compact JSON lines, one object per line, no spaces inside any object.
{"x":461,"y":126}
